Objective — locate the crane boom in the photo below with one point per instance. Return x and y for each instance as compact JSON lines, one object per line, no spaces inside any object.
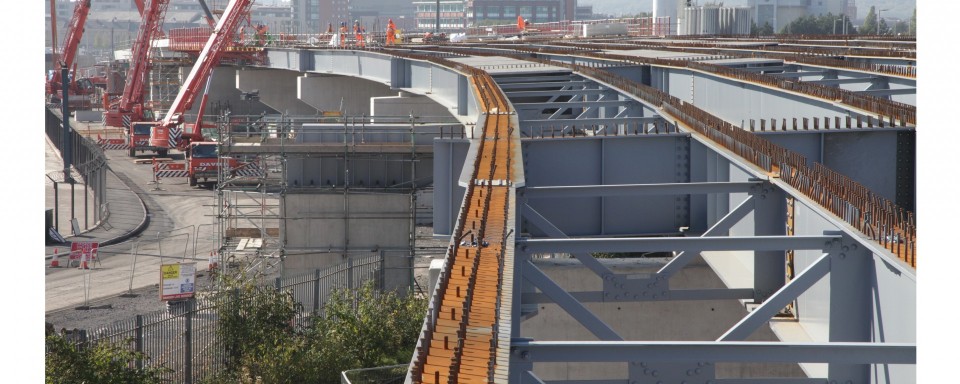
{"x":140,"y":54}
{"x":71,"y":41}
{"x":130,"y":106}
{"x":168,"y":132}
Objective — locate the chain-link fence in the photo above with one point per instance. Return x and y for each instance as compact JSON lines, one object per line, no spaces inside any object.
{"x":185,"y":339}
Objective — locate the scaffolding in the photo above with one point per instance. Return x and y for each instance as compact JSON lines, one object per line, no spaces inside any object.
{"x":165,"y":80}
{"x":289,"y":171}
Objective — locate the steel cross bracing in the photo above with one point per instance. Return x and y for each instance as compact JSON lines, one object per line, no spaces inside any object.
{"x":835,"y":262}
{"x":773,"y":294}
{"x":779,"y":297}
{"x":863,"y":104}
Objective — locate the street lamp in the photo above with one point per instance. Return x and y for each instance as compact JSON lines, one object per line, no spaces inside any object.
{"x":113,"y":23}
{"x":878,"y":19}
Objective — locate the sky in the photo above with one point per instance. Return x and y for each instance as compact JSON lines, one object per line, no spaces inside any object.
{"x":898,"y":8}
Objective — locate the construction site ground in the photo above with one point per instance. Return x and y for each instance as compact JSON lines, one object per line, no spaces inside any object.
{"x":170,"y":206}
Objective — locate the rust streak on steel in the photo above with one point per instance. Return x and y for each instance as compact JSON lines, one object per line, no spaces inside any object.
{"x":466,"y":305}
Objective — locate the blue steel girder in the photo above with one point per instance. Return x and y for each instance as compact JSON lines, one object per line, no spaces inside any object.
{"x":833,"y":352}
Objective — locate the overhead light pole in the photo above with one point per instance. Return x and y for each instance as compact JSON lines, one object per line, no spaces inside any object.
{"x":878,"y":19}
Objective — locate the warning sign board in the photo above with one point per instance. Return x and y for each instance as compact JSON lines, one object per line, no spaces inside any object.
{"x":177,"y":281}
{"x":79,"y":249}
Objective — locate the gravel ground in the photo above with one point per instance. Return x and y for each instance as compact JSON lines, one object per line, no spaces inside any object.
{"x":109,"y":310}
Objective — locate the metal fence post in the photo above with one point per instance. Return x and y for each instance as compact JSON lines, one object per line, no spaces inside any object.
{"x":188,"y":343}
{"x":138,"y":341}
{"x":86,"y":206}
{"x":316,"y":292}
{"x":277,"y":283}
{"x":350,"y":273}
{"x":56,"y":207}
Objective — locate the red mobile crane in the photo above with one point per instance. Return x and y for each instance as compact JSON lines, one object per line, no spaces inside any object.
{"x":66,"y":58}
{"x":130,"y":108}
{"x":168,"y":132}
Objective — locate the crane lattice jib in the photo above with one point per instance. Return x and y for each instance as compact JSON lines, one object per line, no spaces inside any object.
{"x":220,"y":39}
{"x":70,"y":43}
{"x":139,"y":4}
{"x":140,"y":54}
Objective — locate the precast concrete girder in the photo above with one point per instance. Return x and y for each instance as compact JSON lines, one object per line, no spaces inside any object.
{"x":711,"y":351}
{"x":350,"y":95}
{"x":638,"y":189}
{"x":277,"y":88}
{"x":667,"y":244}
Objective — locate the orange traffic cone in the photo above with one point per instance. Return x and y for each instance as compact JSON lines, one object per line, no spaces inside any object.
{"x":56,"y":260}
{"x":83,"y":262}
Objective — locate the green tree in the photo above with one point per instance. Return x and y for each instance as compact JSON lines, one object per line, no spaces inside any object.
{"x":818,"y":25}
{"x":366,"y":328}
{"x":99,"y":363}
{"x":361,"y":328}
{"x":765,"y":30}
{"x":870,"y":22}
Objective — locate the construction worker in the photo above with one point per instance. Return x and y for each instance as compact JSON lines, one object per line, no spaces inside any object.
{"x":358,"y":33}
{"x":391,"y":32}
{"x":343,"y":34}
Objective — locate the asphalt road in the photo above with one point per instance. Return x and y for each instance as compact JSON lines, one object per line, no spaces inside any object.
{"x":180,"y":227}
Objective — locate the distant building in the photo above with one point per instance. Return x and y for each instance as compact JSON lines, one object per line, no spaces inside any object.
{"x":714,"y":20}
{"x":486,"y":12}
{"x":779,"y":13}
{"x":312,"y":16}
{"x":373,"y":14}
{"x":453,"y":15}
{"x":584,"y":12}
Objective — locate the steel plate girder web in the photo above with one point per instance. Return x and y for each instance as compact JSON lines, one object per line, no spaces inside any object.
{"x":568,"y":303}
{"x":667,"y":244}
{"x":713,"y":351}
{"x":638,"y":189}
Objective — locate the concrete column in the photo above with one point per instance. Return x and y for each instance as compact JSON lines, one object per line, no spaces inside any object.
{"x":328,"y":92}
{"x":278,"y":89}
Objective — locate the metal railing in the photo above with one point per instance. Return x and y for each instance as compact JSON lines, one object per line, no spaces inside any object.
{"x":185,"y":337}
{"x":89,"y":165}
{"x":393,"y":374}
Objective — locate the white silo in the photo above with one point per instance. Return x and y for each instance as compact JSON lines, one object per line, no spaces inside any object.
{"x":668,"y":8}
